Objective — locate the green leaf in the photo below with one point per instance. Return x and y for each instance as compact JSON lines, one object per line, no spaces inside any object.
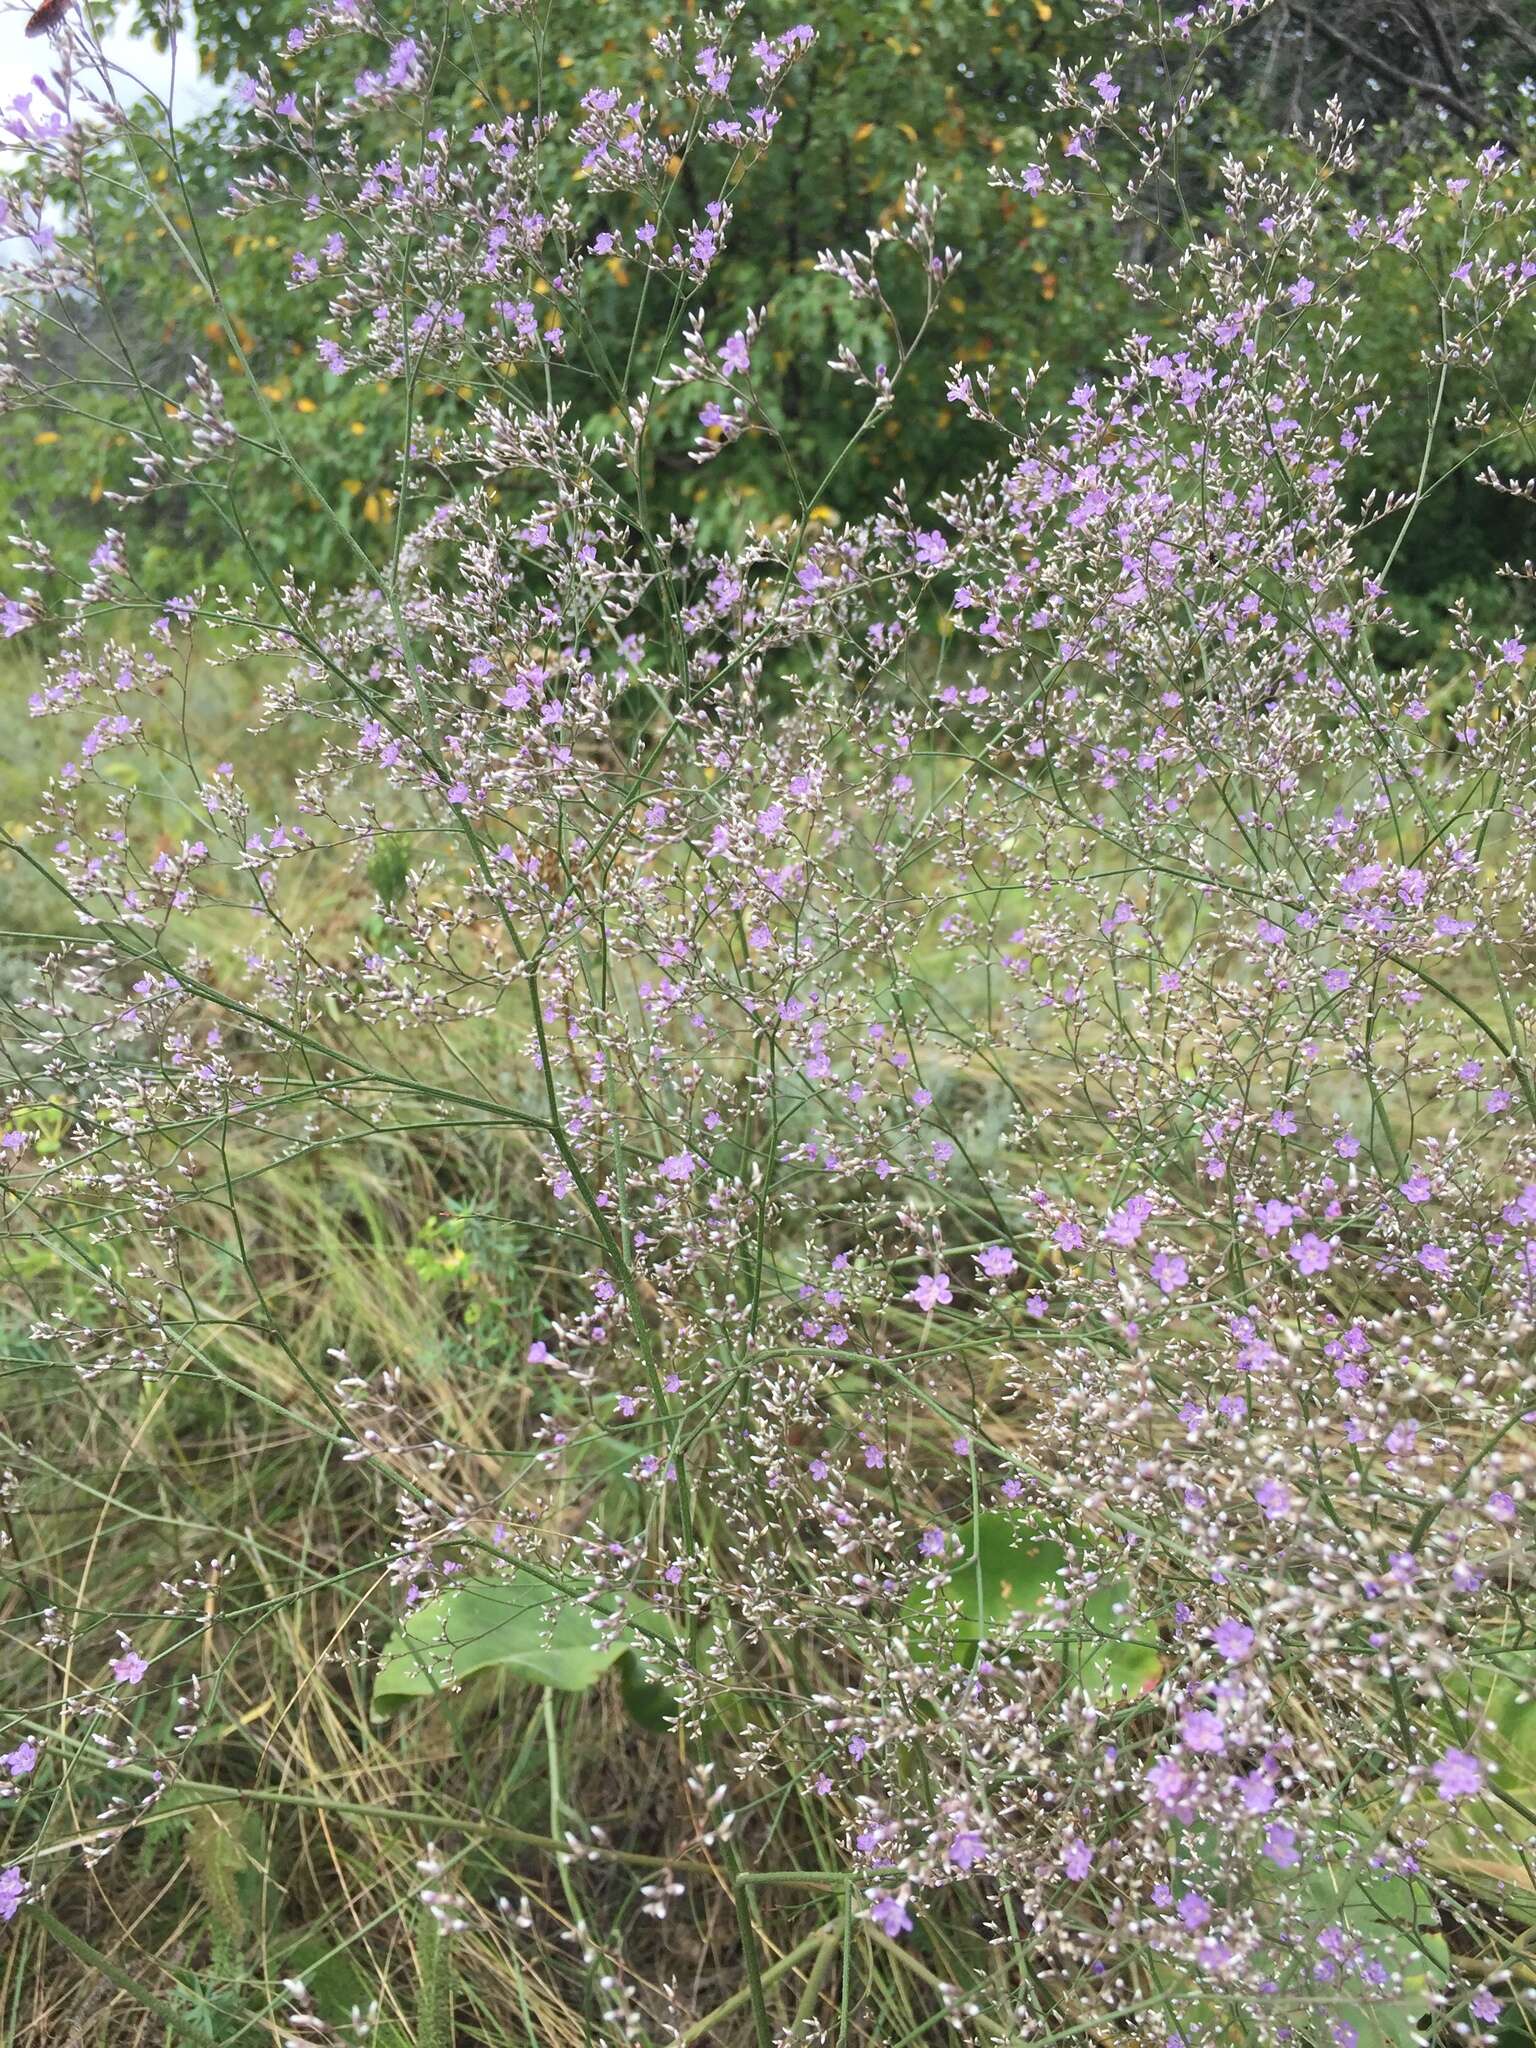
{"x":650,"y":1700}
{"x":533,"y":1631}
{"x":1499,"y":1699}
{"x":1016,"y":1566}
{"x":518,"y":1624}
{"x":389,"y":870}
{"x":1386,"y":1920}
{"x":1496,"y":1701}
{"x":1394,"y":1920}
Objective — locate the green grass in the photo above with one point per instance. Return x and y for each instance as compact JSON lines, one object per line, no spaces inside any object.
{"x":291,"y":1845}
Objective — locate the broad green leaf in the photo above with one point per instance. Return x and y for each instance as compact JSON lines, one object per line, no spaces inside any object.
{"x":1389,"y":1929}
{"x":1394,"y":1921}
{"x":518,"y":1624}
{"x":1498,"y":1700}
{"x":338,"y":1986}
{"x":1195,"y":2011}
{"x":650,"y":1700}
{"x":1015,"y":1565}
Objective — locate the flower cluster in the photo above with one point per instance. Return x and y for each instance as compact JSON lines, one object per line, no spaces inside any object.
{"x":1009,"y":1014}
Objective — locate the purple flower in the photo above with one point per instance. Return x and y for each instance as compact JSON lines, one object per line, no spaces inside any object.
{"x":1258,"y":1791}
{"x":130,"y":1667}
{"x":967,"y":1849}
{"x":1169,"y":1783}
{"x":679,"y":1167}
{"x":714,"y":69}
{"x":1078,"y":1860}
{"x":931,"y":1543}
{"x":1124,"y":1226}
{"x":1312,"y":1254}
{"x":890,"y":1915}
{"x":1275,"y":1217}
{"x":1169,"y":1272}
{"x":1202,"y":1732}
{"x":932,"y":1291}
{"x":997,"y":1262}
{"x":13,"y":1889}
{"x":1232,"y":1640}
{"x":1280,"y":1846}
{"x":1458,"y":1775}
{"x":734,"y":357}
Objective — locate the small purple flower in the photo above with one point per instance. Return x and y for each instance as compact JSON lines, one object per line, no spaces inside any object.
{"x":1312,"y":1254}
{"x":1280,"y":1846}
{"x":967,"y":1849}
{"x":1232,"y":1640}
{"x":1202,"y":1732}
{"x":1078,"y":1860}
{"x":1258,"y":1791}
{"x":13,"y":1889}
{"x":679,"y":1167}
{"x":1275,"y":1217}
{"x":931,"y":1543}
{"x":890,"y":1915}
{"x":932,"y":1291}
{"x":1169,"y":1272}
{"x":1170,"y":1785}
{"x":1124,"y":1226}
{"x":130,"y":1667}
{"x":997,"y":1262}
{"x":1274,"y":1497}
{"x":1458,"y":1775}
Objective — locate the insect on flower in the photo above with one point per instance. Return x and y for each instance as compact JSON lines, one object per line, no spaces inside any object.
{"x":47,"y":17}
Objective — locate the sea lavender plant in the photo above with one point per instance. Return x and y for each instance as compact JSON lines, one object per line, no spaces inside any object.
{"x":1011,"y":1015}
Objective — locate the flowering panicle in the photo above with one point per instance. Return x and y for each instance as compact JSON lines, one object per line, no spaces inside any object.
{"x":1008,"y":1015}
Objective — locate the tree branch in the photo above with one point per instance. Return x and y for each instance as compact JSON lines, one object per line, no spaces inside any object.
{"x":1445,"y":94}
